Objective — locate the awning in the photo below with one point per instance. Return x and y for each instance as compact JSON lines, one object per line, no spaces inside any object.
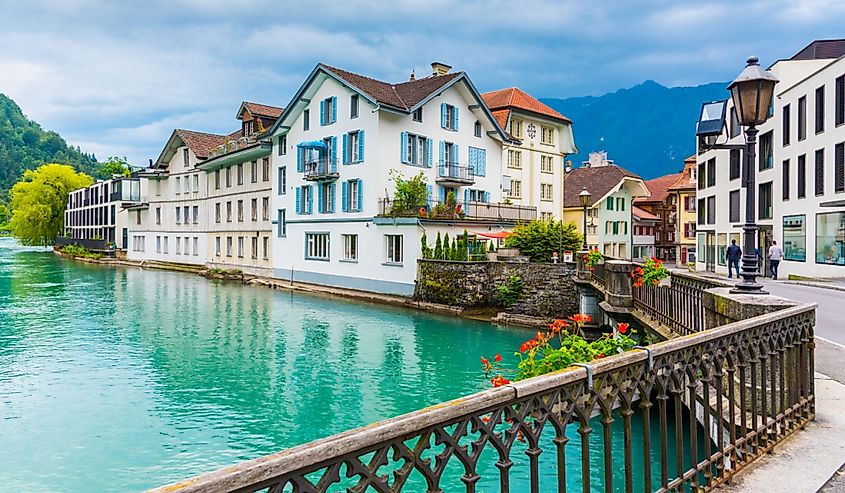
{"x":312,"y":144}
{"x":496,"y":235}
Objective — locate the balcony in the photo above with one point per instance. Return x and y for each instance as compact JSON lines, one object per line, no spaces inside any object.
{"x":320,"y":170}
{"x":231,"y":146}
{"x":458,"y":211}
{"x":453,"y":173}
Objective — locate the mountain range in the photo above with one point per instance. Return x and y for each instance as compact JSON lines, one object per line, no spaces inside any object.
{"x":648,"y":129}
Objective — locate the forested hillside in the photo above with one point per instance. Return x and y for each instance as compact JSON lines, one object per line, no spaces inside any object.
{"x":25,"y":145}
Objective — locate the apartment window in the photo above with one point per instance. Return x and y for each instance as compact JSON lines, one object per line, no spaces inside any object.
{"x":217,"y":246}
{"x":547,"y":164}
{"x":711,"y":210}
{"x":516,"y":189}
{"x":802,"y":176}
{"x":196,"y":246}
{"x":265,"y":169}
{"x":240,"y":175}
{"x":802,"y":118}
{"x":353,"y":147}
{"x":702,"y":175}
{"x":416,"y":151}
{"x":733,"y":128}
{"x":265,"y":248}
{"x":228,"y":176}
{"x":547,"y":216}
{"x":449,"y":116}
{"x":546,"y":191}
{"x":819,"y":172}
{"x":417,"y":115}
{"x":393,"y":249}
{"x":304,"y":200}
{"x":735,"y":164}
{"x":350,"y":247}
{"x":196,"y":214}
{"x":785,"y":179}
{"x":733,"y":199}
{"x":178,"y":185}
{"x":764,"y":201}
{"x":240,"y":246}
{"x":164,"y":245}
{"x":516,"y":128}
{"x":240,"y":211}
{"x":158,"y":215}
{"x":765,"y":151}
{"x":795,"y":238}
{"x":514,"y":159}
{"x":254,"y":245}
{"x":609,"y":204}
{"x":283,"y":145}
{"x":281,"y":223}
{"x":178,"y":215}
{"x":477,"y":129}
{"x":839,"y":168}
{"x":186,"y":157}
{"x":820,"y":110}
{"x":217,"y":179}
{"x":265,"y":208}
{"x":353,"y":106}
{"x":228,"y":246}
{"x":253,"y":168}
{"x":179,"y":245}
{"x":187,"y":185}
{"x":351,"y":198}
{"x":254,"y":209}
{"x":283,"y":180}
{"x":229,"y":211}
{"x":187,"y":211}
{"x":158,"y":244}
{"x":711,"y":172}
{"x":328,"y":111}
{"x":317,"y":246}
{"x":547,"y":135}
{"x":786,"y":122}
{"x":839,"y":100}
{"x":830,"y":248}
{"x":306,"y":120}
{"x":196,"y":183}
{"x":217,"y":212}
{"x":702,"y":211}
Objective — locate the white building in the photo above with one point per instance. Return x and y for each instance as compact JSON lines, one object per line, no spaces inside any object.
{"x":644,"y":230}
{"x":799,"y":172}
{"x":99,"y":211}
{"x":337,"y":221}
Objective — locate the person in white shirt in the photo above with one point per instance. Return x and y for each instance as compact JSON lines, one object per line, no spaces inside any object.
{"x":775,"y":256}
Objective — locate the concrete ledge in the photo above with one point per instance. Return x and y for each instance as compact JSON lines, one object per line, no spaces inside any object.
{"x":818,"y":284}
{"x":805,"y":461}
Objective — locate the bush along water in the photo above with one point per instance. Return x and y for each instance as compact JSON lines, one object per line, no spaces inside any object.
{"x":78,"y":251}
{"x":559,"y":348}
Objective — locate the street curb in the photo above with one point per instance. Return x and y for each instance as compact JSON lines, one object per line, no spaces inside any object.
{"x":821,"y":285}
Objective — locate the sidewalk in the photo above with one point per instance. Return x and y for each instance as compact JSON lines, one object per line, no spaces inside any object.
{"x":806,"y":461}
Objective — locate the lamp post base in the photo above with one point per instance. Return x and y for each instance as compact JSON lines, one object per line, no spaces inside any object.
{"x":749,"y":284}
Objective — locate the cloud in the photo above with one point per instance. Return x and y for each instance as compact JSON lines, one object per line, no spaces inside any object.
{"x":117,"y":77}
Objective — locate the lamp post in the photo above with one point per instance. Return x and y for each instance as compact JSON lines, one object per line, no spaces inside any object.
{"x":752,"y":94}
{"x":584,"y":197}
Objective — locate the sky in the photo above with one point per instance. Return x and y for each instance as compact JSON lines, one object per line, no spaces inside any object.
{"x":116,"y":77}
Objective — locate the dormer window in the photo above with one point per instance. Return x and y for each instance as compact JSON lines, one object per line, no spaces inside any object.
{"x":249,"y":128}
{"x":417,"y":115}
{"x":186,"y":157}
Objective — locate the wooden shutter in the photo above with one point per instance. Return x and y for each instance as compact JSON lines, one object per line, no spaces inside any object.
{"x":347,"y":152}
{"x":344,"y":190}
{"x":360,"y":145}
{"x":360,"y":195}
{"x":298,"y":200}
{"x":403,"y":148}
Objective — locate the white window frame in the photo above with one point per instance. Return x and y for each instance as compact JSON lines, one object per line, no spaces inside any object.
{"x":318,"y":246}
{"x":350,"y":247}
{"x":393,"y":249}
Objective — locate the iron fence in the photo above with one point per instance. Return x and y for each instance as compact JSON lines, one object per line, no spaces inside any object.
{"x":88,"y":244}
{"x":677,"y":306}
{"x":456,"y":171}
{"x":471,"y":210}
{"x":750,"y":383}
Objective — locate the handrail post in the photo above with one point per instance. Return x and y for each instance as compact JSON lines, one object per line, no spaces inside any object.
{"x":618,"y":283}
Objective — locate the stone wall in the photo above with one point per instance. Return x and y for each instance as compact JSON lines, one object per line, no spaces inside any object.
{"x":548,"y":289}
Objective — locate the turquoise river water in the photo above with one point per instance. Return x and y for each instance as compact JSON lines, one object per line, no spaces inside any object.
{"x":118,"y":379}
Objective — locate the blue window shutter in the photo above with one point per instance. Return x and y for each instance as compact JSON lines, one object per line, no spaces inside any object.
{"x":442,"y":158}
{"x":430,"y":150}
{"x":360,"y":145}
{"x":334,"y":154}
{"x":320,"y":199}
{"x":346,"y":149}
{"x":298,"y":200}
{"x":481,"y":162}
{"x":299,"y":159}
{"x":403,"y":147}
{"x":443,"y":121}
{"x":360,"y":195}
{"x":429,"y":193}
{"x":344,"y":190}
{"x":442,"y":194}
{"x":455,"y":118}
{"x":457,"y":152}
{"x":471,"y":163}
{"x":331,"y":199}
{"x":310,"y":199}
{"x":486,"y":197}
{"x":322,"y":113}
{"x":334,"y":109}
{"x":466,"y":199}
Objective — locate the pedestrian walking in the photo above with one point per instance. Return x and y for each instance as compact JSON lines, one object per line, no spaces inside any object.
{"x":775,"y":256}
{"x":733,"y":254}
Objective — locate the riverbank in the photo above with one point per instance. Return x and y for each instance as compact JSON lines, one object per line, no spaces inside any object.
{"x":486,"y":315}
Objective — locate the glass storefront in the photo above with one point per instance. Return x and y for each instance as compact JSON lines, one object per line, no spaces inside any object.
{"x":721,"y":247}
{"x":795,"y":238}
{"x":830,"y":238}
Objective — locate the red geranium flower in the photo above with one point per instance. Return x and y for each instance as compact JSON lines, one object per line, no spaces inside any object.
{"x":484,"y":361}
{"x":498,"y":357}
{"x":499,"y":381}
{"x":623,"y":328}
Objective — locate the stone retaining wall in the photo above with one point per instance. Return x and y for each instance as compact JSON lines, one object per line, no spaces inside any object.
{"x":548,"y":289}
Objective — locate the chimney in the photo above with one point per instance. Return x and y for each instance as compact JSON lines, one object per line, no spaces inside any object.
{"x":438,"y":68}
{"x":413,"y":77}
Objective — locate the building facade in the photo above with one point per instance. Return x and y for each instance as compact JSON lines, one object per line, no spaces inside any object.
{"x":645,"y":233}
{"x":534,"y":161}
{"x":799,"y":174}
{"x":662,"y":204}
{"x":337,"y":150}
{"x":98,"y":212}
{"x":684,"y":191}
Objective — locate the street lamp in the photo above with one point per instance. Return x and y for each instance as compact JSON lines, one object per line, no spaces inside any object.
{"x":584,"y":197}
{"x":752,"y":94}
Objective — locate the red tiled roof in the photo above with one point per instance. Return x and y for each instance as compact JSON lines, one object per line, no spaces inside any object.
{"x":598,"y":180}
{"x":502,"y":116}
{"x":659,"y":188}
{"x":200,"y":142}
{"x":515,"y":98}
{"x":644,"y":214}
{"x":404,"y":95}
{"x":258,"y":109}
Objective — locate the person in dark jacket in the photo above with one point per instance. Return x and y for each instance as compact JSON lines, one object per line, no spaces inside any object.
{"x":733,"y":254}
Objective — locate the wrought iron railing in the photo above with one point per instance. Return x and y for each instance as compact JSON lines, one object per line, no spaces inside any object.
{"x":677,"y":306}
{"x":750,"y":384}
{"x":455,"y":171}
{"x":318,"y":168}
{"x":88,"y":244}
{"x":472,"y":210}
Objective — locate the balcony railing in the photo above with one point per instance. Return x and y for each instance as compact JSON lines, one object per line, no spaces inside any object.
{"x":320,"y":169}
{"x":472,"y":210}
{"x":455,"y":173}
{"x":749,"y":384}
{"x":231,"y":146}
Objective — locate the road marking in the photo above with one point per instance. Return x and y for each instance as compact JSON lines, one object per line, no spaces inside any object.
{"x":840,"y":346}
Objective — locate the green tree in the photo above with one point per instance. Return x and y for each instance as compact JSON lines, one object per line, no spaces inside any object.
{"x":410,"y":194}
{"x":537,"y":240}
{"x":5,"y":214}
{"x":38,"y":202}
{"x":438,"y":247}
{"x":447,"y":247}
{"x":425,"y":249}
{"x":113,"y":166}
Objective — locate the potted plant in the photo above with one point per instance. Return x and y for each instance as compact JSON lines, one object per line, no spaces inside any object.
{"x":651,"y":273}
{"x":592,"y":259}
